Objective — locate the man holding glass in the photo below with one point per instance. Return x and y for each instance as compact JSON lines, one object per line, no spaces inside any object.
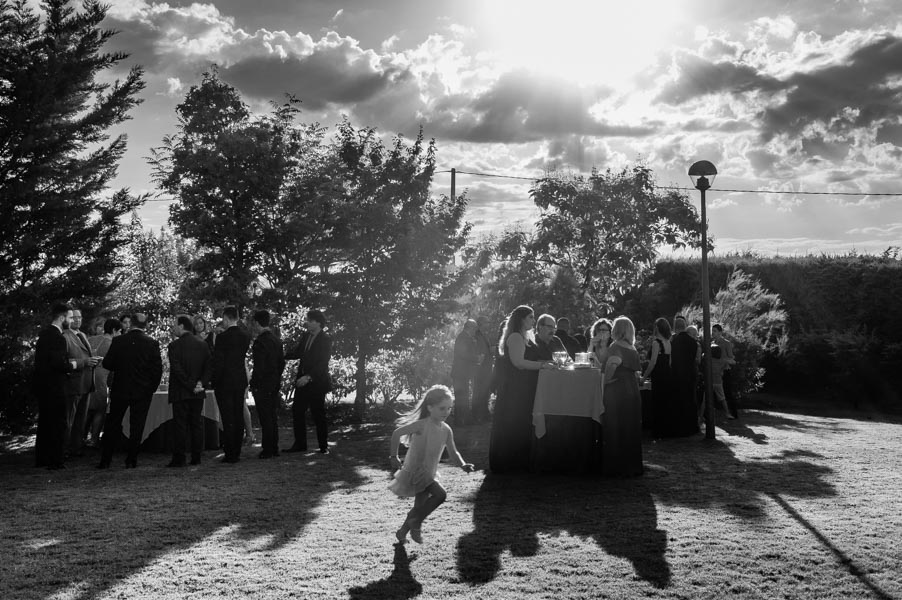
{"x":548,"y":343}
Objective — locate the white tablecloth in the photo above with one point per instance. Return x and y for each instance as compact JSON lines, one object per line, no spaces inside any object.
{"x":569,"y":393}
{"x":161,"y":411}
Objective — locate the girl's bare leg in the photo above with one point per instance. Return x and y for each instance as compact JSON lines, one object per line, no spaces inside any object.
{"x":426,"y":502}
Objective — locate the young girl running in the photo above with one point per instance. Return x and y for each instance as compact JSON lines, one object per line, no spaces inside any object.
{"x":428,"y":434}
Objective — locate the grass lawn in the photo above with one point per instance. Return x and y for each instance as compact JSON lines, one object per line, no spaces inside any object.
{"x":779,"y":506}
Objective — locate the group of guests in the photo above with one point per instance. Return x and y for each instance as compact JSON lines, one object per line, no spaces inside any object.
{"x":527,"y":345}
{"x":677,"y":398}
{"x":85,"y":385}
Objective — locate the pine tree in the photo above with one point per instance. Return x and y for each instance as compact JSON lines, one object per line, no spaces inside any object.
{"x":59,"y":225}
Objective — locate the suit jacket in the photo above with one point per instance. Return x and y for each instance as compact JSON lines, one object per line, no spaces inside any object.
{"x":81,"y":380}
{"x":683,"y":351}
{"x":51,"y":364}
{"x":190,"y":362}
{"x":570,"y":344}
{"x":545,"y":351}
{"x":314,"y":362}
{"x":269,"y":363}
{"x":229,"y":353}
{"x":134,"y":358}
{"x":465,"y":357}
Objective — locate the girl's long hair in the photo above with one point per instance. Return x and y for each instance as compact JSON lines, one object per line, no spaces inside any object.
{"x":433,"y":396}
{"x":514,"y":325}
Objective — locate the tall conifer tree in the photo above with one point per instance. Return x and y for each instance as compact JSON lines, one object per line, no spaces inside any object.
{"x":59,"y":226}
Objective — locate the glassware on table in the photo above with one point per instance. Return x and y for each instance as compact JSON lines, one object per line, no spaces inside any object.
{"x":582,"y":358}
{"x":560,"y":358}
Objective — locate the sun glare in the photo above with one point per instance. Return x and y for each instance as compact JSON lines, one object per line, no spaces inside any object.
{"x":590,"y":41}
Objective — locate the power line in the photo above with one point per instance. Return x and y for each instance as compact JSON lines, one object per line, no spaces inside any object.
{"x":689,"y":189}
{"x":658,"y":187}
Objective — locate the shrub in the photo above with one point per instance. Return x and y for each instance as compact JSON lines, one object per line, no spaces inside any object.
{"x":754,"y":320}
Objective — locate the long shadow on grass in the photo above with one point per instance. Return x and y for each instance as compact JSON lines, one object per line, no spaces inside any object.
{"x":510,"y":512}
{"x":400,"y":584}
{"x":79,"y":532}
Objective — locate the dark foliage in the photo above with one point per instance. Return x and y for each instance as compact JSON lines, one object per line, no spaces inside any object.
{"x":59,"y":226}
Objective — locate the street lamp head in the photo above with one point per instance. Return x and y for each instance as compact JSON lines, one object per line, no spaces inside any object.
{"x":702,"y":174}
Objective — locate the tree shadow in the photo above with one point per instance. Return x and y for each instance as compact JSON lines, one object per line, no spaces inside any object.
{"x":122,"y":520}
{"x":843,"y":558}
{"x":619,"y":515}
{"x":399,"y":584}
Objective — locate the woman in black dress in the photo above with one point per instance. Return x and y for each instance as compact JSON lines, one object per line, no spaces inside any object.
{"x":664,"y":415}
{"x":518,"y":373}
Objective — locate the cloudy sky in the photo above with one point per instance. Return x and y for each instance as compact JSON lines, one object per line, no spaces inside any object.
{"x":782,"y":96}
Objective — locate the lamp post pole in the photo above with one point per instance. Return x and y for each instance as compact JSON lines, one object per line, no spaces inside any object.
{"x":703,"y":186}
{"x":700,"y":172}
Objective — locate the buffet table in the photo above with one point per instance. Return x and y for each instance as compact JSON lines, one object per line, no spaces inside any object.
{"x":158,"y":434}
{"x":567,"y":420}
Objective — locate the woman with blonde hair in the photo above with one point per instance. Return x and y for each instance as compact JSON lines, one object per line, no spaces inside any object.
{"x":622,"y":420}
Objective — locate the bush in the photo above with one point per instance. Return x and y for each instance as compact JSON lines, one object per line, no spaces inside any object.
{"x":754,"y":320}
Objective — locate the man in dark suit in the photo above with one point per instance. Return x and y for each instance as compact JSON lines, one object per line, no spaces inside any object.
{"x":547,"y":341}
{"x":266,"y":380}
{"x":230,"y":381}
{"x":79,"y":385}
{"x":312,"y":382}
{"x":51,"y":373}
{"x":685,"y":354}
{"x":137,"y":367}
{"x":486,"y":348}
{"x":190,"y":368}
{"x":463,"y":371}
{"x":570,"y":343}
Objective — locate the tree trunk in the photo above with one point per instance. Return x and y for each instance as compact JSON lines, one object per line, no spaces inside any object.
{"x":360,"y":397}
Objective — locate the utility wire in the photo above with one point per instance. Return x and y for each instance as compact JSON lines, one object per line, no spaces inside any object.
{"x":689,"y":189}
{"x":658,"y":187}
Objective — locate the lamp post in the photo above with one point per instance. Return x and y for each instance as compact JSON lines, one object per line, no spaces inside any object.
{"x":699,"y":172}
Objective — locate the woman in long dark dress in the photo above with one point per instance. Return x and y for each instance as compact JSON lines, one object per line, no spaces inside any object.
{"x":663,"y":413}
{"x":622,"y":421}
{"x":512,"y":429}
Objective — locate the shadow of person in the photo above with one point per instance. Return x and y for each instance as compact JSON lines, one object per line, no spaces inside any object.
{"x":740,"y":429}
{"x":618,"y":515}
{"x":497,"y":525}
{"x":399,"y":584}
{"x":623,"y":520}
{"x":151,"y":512}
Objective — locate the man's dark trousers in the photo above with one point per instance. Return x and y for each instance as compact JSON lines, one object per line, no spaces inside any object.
{"x":138,"y":407}
{"x":188,"y":418}
{"x":267,"y":403}
{"x":316,"y":402}
{"x":231,"y":410}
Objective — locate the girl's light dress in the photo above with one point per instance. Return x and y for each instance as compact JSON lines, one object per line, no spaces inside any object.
{"x":420,"y":466}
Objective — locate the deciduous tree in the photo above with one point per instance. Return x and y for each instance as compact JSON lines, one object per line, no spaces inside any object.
{"x":604,"y":230}
{"x":247,"y":191}
{"x":395,"y":274}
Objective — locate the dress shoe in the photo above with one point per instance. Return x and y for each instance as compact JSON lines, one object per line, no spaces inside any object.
{"x":295,"y":449}
{"x":230,"y":459}
{"x":177,"y":463}
{"x":324,"y":451}
{"x":195,"y":461}
{"x":56,"y":467}
{"x":265,"y":454}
